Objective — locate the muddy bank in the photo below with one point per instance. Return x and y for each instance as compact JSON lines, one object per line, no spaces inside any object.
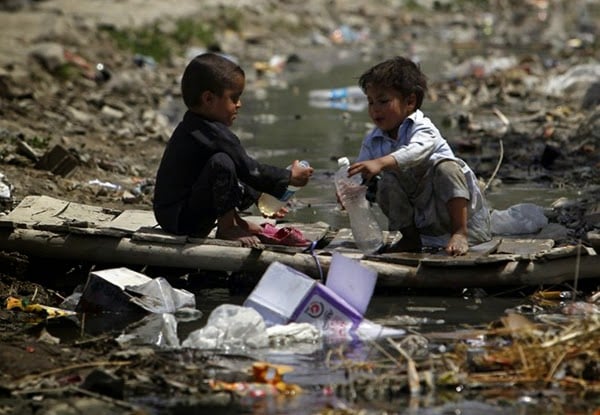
{"x":112,"y":120}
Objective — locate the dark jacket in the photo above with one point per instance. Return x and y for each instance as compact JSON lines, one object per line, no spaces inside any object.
{"x":191,"y":145}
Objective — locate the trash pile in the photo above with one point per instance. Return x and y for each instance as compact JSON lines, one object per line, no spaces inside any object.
{"x":141,"y":311}
{"x":524,"y":356}
{"x":536,"y":347}
{"x":310,"y":312}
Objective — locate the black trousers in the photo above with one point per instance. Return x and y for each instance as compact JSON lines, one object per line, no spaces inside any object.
{"x":216,"y":192}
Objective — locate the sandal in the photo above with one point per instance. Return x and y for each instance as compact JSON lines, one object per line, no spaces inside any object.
{"x":286,"y":235}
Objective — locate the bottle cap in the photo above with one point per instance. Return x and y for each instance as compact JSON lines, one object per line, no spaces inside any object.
{"x":343,"y":161}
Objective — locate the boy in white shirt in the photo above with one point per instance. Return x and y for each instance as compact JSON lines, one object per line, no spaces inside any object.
{"x":427,"y":193}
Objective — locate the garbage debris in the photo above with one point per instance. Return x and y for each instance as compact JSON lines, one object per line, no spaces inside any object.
{"x":24,"y":304}
{"x":102,"y":73}
{"x":347,"y":93}
{"x":306,"y":300}
{"x":6,"y":189}
{"x":343,"y":105}
{"x":576,"y":80}
{"x":144,"y":61}
{"x":276,"y":64}
{"x":124,"y":290}
{"x":336,"y":308}
{"x":480,"y":67}
{"x":58,"y":160}
{"x":346,"y":34}
{"x":351,"y":281}
{"x":231,"y":328}
{"x":105,"y":185}
{"x":157,"y":329}
{"x":157,"y":296}
{"x":521,"y":218}
{"x":235,"y":329}
{"x":24,"y":148}
{"x":267,"y":381}
{"x":292,"y":333}
{"x":350,"y":98}
{"x":309,"y":312}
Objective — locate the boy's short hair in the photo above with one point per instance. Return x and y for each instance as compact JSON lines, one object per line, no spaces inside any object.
{"x":208,"y":72}
{"x":399,"y":73}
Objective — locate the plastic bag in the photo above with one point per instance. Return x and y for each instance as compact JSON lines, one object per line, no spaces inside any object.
{"x":230,"y":328}
{"x":522,"y":218}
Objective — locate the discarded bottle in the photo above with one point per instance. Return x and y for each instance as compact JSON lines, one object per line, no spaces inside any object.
{"x":335,"y":94}
{"x":352,"y":193}
{"x":270,"y":205}
{"x":344,"y":105}
{"x":5,"y":191}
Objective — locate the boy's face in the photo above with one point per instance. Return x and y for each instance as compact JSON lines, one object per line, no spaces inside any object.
{"x":224,"y":108}
{"x":388,"y":109}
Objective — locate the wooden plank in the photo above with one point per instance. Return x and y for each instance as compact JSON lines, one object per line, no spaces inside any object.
{"x":524,"y":246}
{"x":132,"y":220}
{"x":486,"y":248}
{"x":400,"y":258}
{"x":152,"y":235}
{"x":567,"y":251}
{"x":311,"y":231}
{"x":45,"y":210}
{"x":65,"y":228}
{"x":62,"y":229}
{"x":477,"y":255}
{"x":442,"y":259}
{"x":33,"y":210}
{"x":207,"y":257}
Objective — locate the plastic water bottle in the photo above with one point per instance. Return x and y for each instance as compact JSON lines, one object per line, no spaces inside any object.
{"x":269,"y":205}
{"x":336,"y":94}
{"x":365,"y":228}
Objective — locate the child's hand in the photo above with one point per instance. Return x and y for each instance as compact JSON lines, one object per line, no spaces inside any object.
{"x":300,"y":175}
{"x":371,"y":168}
{"x":279,"y":214}
{"x":367,"y":169}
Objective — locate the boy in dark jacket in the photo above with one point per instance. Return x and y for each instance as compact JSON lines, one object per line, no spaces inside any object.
{"x":205,"y":175}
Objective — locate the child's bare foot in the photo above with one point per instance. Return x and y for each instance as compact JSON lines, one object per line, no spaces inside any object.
{"x":458,"y":245}
{"x":247,"y":239}
{"x":251,"y":227}
{"x":232,"y":227}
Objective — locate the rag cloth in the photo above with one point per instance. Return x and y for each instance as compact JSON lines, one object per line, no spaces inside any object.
{"x":287,"y":235}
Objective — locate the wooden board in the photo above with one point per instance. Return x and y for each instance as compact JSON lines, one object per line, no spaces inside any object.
{"x":35,"y":211}
{"x":132,"y":220}
{"x":524,"y":247}
{"x":47,"y":227}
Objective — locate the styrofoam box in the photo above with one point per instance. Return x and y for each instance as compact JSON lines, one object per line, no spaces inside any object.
{"x":104,"y":290}
{"x":284,"y":294}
